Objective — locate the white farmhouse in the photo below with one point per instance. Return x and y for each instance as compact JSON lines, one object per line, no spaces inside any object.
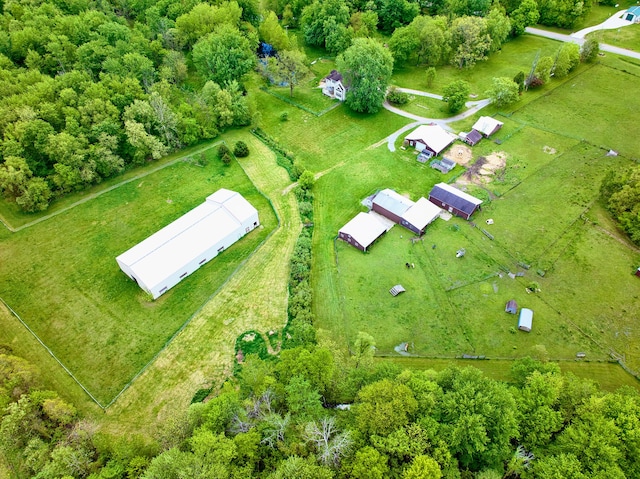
{"x":333,"y":86}
{"x":163,"y":259}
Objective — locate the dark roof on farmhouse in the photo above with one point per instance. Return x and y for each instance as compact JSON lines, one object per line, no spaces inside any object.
{"x":454,"y":197}
{"x":474,"y":136}
{"x":335,"y":75}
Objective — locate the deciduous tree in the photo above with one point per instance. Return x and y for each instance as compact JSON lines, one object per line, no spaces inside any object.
{"x":290,"y":67}
{"x":470,"y":41}
{"x":366,"y":67}
{"x":456,"y":94}
{"x":223,"y":56}
{"x":504,"y":91}
{"x":383,"y":407}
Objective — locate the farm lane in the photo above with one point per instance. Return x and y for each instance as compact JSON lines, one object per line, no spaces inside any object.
{"x":568,"y":38}
{"x":611,"y":23}
{"x":255,"y":297}
{"x":316,"y":177}
{"x":473,"y":108}
{"x":419,"y":93}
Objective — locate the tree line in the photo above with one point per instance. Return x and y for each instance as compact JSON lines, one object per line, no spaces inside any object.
{"x":92,"y":88}
{"x":319,"y":413}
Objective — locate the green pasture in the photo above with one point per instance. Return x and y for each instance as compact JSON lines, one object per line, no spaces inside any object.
{"x":516,"y":55}
{"x":626,"y":37}
{"x":610,"y":376}
{"x":539,"y":201}
{"x":593,"y":106}
{"x":322,"y":142}
{"x":61,"y":276}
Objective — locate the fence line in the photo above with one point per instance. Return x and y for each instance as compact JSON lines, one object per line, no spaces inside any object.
{"x":298,"y":105}
{"x":52,"y":354}
{"x":107,"y":190}
{"x":215,"y":293}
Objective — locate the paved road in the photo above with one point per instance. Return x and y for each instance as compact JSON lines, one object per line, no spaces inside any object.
{"x":611,"y":23}
{"x":473,"y":107}
{"x":568,"y":38}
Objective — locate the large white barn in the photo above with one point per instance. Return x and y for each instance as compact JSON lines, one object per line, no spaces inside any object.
{"x":163,"y":259}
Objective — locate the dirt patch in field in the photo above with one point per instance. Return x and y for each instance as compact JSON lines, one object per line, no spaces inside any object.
{"x":483,"y":170}
{"x":461,"y":154}
{"x":549,"y":150}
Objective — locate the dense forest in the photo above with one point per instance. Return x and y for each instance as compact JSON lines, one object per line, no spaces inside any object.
{"x":90,"y":88}
{"x":313,"y":413}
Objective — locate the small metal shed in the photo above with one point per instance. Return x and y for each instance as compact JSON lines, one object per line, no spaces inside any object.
{"x":525,"y":321}
{"x":511,"y":307}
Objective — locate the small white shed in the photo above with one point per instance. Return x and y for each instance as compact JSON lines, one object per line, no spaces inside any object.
{"x":166,"y":257}
{"x":525,"y":321}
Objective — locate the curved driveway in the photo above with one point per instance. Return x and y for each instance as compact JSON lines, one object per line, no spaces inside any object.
{"x":611,"y":23}
{"x":473,"y":107}
{"x":569,"y":38}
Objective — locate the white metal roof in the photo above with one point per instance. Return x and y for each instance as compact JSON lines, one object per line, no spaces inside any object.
{"x":526,"y":318}
{"x":459,"y":193}
{"x":392,"y":201}
{"x":421,"y":213}
{"x":486,"y":125}
{"x":234,"y":203}
{"x":364,"y":228}
{"x":436,"y":137}
{"x":183,"y":240}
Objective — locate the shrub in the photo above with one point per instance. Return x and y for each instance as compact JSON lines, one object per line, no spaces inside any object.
{"x":241,"y":149}
{"x":306,"y":180}
{"x":223,"y":150}
{"x":397,"y":97}
{"x":430,"y":75}
{"x":201,"y":395}
{"x":306,"y":210}
{"x":284,"y":116}
{"x":226,"y":159}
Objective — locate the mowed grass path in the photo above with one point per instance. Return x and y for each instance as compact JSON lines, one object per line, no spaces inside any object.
{"x":254,"y":298}
{"x":61,"y":276}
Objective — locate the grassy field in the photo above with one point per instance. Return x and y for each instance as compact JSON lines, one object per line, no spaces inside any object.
{"x":425,"y":106}
{"x":254,"y":298}
{"x":516,"y":55}
{"x":627,"y":37}
{"x":455,"y":306}
{"x":61,"y":277}
{"x":609,"y":376}
{"x":12,"y":217}
{"x":580,"y":108}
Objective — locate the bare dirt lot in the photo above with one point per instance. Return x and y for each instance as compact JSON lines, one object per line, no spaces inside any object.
{"x":484,"y":168}
{"x":461,"y":154}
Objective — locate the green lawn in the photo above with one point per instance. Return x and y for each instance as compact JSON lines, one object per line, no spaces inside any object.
{"x":627,"y":37}
{"x":426,"y":107}
{"x":60,"y":275}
